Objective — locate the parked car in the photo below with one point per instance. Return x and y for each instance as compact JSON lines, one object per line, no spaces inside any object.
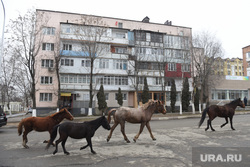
{"x":3,"y":118}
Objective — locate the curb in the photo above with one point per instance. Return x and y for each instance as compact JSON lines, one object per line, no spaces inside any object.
{"x":17,"y":119}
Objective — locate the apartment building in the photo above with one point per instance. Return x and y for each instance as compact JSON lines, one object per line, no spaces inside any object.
{"x":232,"y":84}
{"x":128,"y":52}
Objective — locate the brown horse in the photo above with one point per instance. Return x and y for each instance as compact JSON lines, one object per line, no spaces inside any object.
{"x":226,"y":111}
{"x":135,"y":115}
{"x":42,"y":124}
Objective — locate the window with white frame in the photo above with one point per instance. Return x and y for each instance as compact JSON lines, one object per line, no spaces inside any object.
{"x":120,"y":35}
{"x":248,"y":55}
{"x":104,"y":63}
{"x":124,"y":95}
{"x":158,"y":81}
{"x":86,"y":63}
{"x":120,"y":25}
{"x":67,"y":62}
{"x":45,"y":96}
{"x":48,"y":46}
{"x":67,"y":47}
{"x":49,"y":30}
{"x":46,"y":80}
{"x":120,"y":50}
{"x":106,"y":96}
{"x":47,"y":63}
{"x":185,"y":67}
{"x":120,"y":64}
{"x":171,"y":66}
{"x":81,"y":79}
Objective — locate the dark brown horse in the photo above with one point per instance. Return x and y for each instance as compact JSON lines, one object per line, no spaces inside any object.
{"x":226,"y":111}
{"x":42,"y":124}
{"x":135,"y":115}
{"x":77,"y":131}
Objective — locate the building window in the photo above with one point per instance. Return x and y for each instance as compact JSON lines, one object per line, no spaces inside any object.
{"x":120,"y":64}
{"x":45,"y":96}
{"x":248,"y":55}
{"x":106,"y":96}
{"x":158,"y":81}
{"x":124,"y":95}
{"x":185,"y":67}
{"x":67,"y":47}
{"x":120,"y":25}
{"x":112,"y":80}
{"x":140,"y":36}
{"x":67,"y":62}
{"x":47,"y":63}
{"x":171,"y":66}
{"x":48,"y":46}
{"x":104,"y":63}
{"x":86,"y":63}
{"x":120,"y":35}
{"x":156,"y":37}
{"x":49,"y":30}
{"x":120,"y":50}
{"x":46,"y":80}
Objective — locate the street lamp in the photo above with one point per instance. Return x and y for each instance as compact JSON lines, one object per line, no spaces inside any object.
{"x":1,"y":55}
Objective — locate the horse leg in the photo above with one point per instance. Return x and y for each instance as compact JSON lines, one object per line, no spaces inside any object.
{"x":207,"y":125}
{"x":149,"y":129}
{"x":111,"y":131}
{"x":57,"y":142}
{"x":123,"y":131}
{"x":84,"y":146}
{"x":224,"y":123}
{"x":231,"y":122}
{"x":210,"y":123}
{"x":25,"y":139}
{"x":141,"y":129}
{"x":90,"y":145}
{"x":63,"y":146}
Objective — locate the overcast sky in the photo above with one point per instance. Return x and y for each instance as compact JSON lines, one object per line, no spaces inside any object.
{"x":228,"y":19}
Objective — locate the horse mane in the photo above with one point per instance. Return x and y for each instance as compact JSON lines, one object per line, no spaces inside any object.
{"x":148,"y":104}
{"x":58,"y":113}
{"x":234,"y":101}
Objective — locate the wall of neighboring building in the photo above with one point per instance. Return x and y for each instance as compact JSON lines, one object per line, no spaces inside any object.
{"x":246,"y":59}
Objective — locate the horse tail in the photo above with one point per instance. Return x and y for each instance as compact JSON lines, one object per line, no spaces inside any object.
{"x":52,"y":136}
{"x":20,"y":128}
{"x":204,"y":113}
{"x":111,"y":112}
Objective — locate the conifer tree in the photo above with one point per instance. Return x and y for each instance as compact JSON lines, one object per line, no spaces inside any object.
{"x":102,"y":104}
{"x":196,"y":99}
{"x":119,"y":97}
{"x":173,"y":95}
{"x":185,"y":95}
{"x":145,"y":92}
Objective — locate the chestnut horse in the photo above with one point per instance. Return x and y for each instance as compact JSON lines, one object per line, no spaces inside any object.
{"x":226,"y":111}
{"x":135,"y":115}
{"x":42,"y":124}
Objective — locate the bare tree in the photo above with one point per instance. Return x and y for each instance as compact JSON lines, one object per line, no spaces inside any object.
{"x":26,"y":40}
{"x":92,"y":34}
{"x":206,"y":48}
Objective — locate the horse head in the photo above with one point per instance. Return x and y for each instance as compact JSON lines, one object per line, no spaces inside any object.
{"x":105,"y":123}
{"x":160,"y":107}
{"x":67,"y":114}
{"x":240,"y":103}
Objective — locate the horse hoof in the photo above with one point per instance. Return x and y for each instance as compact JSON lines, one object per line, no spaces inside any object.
{"x":108,"y":139}
{"x":154,"y":138}
{"x":129,"y":141}
{"x":213,"y":130}
{"x":93,"y":152}
{"x":45,"y":141}
{"x":67,"y":153}
{"x":233,"y":129}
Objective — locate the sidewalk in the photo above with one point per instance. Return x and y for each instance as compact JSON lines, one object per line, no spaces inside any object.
{"x":15,"y":119}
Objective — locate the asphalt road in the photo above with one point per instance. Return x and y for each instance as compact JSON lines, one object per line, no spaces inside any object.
{"x":173,"y":147}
